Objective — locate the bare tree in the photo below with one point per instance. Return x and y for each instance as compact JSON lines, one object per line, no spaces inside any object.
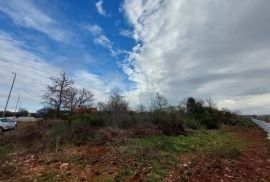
{"x":70,"y":99}
{"x":210,"y":103}
{"x":117,"y":107}
{"x":102,"y":106}
{"x":141,"y":108}
{"x":116,"y":102}
{"x":75,"y":98}
{"x":159,"y":102}
{"x":85,"y":98}
{"x":55,"y":92}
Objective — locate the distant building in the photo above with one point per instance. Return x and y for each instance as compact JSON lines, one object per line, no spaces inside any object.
{"x":86,"y":110}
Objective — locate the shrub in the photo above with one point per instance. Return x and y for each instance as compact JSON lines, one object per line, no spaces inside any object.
{"x":122,"y":120}
{"x":208,"y":116}
{"x":159,"y":117}
{"x":172,"y":125}
{"x":29,"y":134}
{"x":191,"y":123}
{"x":211,"y":118}
{"x":145,"y":129}
{"x":170,"y":122}
{"x":92,"y":119}
{"x":79,"y":133}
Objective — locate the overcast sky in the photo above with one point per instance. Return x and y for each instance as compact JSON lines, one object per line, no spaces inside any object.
{"x":201,"y":48}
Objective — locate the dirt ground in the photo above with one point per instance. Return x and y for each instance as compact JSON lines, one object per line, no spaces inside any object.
{"x":252,"y":165}
{"x":101,"y":163}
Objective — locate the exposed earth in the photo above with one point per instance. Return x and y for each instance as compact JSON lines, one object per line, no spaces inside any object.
{"x":110,"y":163}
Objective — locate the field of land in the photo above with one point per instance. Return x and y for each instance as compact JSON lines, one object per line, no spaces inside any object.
{"x":227,"y":154}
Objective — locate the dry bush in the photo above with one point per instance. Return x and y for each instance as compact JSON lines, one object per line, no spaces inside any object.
{"x":145,"y":129}
{"x":113,"y":135}
{"x":173,"y":125}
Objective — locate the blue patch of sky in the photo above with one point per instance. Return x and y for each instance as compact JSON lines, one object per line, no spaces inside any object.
{"x":80,"y":52}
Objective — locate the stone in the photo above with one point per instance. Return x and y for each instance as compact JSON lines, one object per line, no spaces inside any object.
{"x":64,"y":166}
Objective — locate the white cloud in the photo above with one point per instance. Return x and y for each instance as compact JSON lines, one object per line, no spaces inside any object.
{"x":249,"y":104}
{"x":27,"y":14}
{"x":207,"y":48}
{"x":32,"y":73}
{"x":125,"y":33}
{"x":101,"y":86}
{"x":100,"y":9}
{"x":95,"y":29}
{"x":101,"y":39}
{"x":84,"y":79}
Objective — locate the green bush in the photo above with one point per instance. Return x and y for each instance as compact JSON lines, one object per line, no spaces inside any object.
{"x":211,"y":118}
{"x":207,"y":116}
{"x":92,"y":119}
{"x":191,"y":123}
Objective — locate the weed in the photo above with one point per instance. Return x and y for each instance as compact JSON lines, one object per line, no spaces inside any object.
{"x":48,"y":176}
{"x":108,"y":179}
{"x":76,"y":159}
{"x":153,"y":178}
{"x":3,"y":152}
{"x":123,"y":174}
{"x":160,"y":153}
{"x":225,"y":152}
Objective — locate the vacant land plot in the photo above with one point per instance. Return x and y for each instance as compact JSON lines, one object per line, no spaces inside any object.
{"x":231,"y":154}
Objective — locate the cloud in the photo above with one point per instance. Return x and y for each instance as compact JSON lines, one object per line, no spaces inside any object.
{"x":101,"y":39}
{"x":125,"y":33}
{"x":84,"y":79}
{"x":100,"y":9}
{"x":27,"y":14}
{"x":217,"y":49}
{"x":101,"y":86}
{"x":32,"y":73}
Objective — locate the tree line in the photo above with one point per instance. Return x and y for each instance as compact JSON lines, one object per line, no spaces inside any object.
{"x":193,"y":113}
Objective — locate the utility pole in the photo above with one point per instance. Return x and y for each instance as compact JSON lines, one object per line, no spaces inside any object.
{"x":9,"y":94}
{"x":17,"y":105}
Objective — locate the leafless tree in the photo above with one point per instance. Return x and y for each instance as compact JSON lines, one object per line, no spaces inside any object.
{"x":102,"y":106}
{"x":210,"y":103}
{"x":159,"y":102}
{"x":116,"y":102}
{"x":85,"y":98}
{"x":75,"y":98}
{"x":70,"y":99}
{"x":117,"y":107}
{"x":54,"y":95}
{"x":141,"y":108}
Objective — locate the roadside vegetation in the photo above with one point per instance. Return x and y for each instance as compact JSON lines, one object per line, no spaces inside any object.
{"x":115,"y":143}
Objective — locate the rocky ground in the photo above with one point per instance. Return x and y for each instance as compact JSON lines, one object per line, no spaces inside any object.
{"x":106,"y":163}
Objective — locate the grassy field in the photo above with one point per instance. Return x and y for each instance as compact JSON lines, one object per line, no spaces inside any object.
{"x":159,"y":154}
